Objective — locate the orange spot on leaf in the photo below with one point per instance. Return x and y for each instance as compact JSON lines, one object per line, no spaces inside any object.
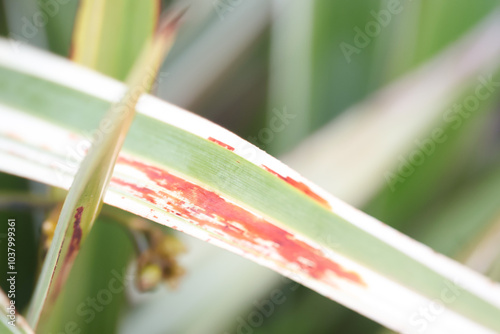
{"x":233,"y":223}
{"x":300,"y":186}
{"x":218,"y":142}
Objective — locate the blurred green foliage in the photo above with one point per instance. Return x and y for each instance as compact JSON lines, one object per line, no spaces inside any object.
{"x":447,"y":202}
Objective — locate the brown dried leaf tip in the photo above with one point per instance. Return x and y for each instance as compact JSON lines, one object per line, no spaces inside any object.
{"x":169,"y":23}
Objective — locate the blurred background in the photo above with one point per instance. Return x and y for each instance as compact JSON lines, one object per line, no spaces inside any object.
{"x":393,"y":106}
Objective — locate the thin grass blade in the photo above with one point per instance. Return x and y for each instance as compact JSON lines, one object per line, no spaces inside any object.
{"x":109,"y":35}
{"x":14,"y":323}
{"x":85,"y":196}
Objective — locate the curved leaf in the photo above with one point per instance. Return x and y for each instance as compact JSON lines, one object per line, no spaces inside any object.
{"x":187,"y":173}
{"x":84,"y":200}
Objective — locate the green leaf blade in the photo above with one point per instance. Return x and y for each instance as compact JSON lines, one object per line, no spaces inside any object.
{"x":85,"y":196}
{"x":179,"y":163}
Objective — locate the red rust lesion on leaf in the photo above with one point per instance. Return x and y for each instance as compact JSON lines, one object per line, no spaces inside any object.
{"x":76,"y":238}
{"x":74,"y":246}
{"x":232,"y":223}
{"x":218,"y":142}
{"x":148,"y":194}
{"x":300,"y":186}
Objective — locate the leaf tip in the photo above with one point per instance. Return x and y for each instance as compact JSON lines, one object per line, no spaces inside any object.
{"x":169,"y":23}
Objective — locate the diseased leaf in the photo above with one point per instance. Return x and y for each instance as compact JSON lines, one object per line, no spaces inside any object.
{"x":85,"y":196}
{"x":171,"y":171}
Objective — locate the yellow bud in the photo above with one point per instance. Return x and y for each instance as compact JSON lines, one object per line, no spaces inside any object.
{"x":170,"y":246}
{"x":149,"y":277}
{"x":48,"y":228}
